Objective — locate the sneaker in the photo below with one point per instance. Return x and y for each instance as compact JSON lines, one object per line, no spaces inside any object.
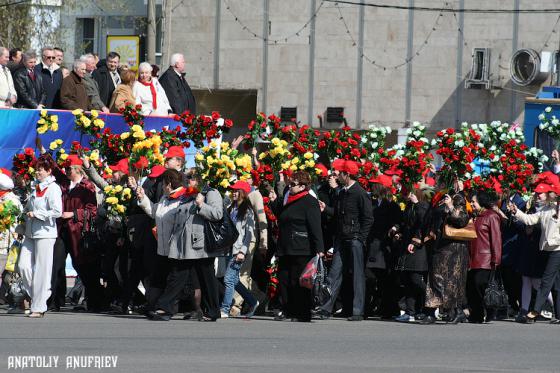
{"x":355,"y":318}
{"x":404,"y":318}
{"x":323,"y":315}
{"x":251,"y":311}
{"x":224,"y":315}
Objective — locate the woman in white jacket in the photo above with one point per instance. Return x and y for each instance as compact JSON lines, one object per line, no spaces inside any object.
{"x":149,"y":93}
{"x":549,"y":242}
{"x":36,"y":257}
{"x":242,"y":215}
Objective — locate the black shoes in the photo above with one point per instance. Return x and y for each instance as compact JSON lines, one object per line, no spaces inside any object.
{"x":428,"y":320}
{"x":355,"y":318}
{"x":460,"y":318}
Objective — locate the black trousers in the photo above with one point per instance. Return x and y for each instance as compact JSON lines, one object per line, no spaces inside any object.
{"x":550,"y":281}
{"x":477,"y":282}
{"x":512,"y":286}
{"x":58,"y":278}
{"x":414,"y":291}
{"x":381,"y":292}
{"x":297,"y":300}
{"x":116,"y":277}
{"x":172,"y":276}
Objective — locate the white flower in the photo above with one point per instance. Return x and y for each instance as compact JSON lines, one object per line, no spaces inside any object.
{"x":460,"y":143}
{"x":388,"y":129}
{"x":541,"y":116}
{"x":375,"y":145}
{"x":364,"y":140}
{"x":548,"y":109}
{"x":468,"y":175}
{"x":421,"y":128}
{"x":542,"y":126}
{"x":555,"y":122}
{"x":417,"y":133}
{"x":408,"y":131}
{"x":373,"y":135}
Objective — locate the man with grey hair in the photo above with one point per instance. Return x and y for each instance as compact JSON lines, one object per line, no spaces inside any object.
{"x":73,"y":92}
{"x":29,"y":85}
{"x":92,"y":88}
{"x":8,"y":94}
{"x":51,"y":76}
{"x":176,"y":87}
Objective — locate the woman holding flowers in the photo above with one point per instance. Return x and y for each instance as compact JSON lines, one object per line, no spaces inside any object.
{"x":36,"y":257}
{"x":180,"y":217}
{"x":242,"y":215}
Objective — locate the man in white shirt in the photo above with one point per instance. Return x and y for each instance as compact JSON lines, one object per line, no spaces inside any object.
{"x":8,"y":95}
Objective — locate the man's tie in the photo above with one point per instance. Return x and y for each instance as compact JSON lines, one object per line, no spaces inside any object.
{"x":32,"y":74}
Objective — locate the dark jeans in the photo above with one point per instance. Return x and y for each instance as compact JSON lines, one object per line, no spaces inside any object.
{"x":550,"y":281}
{"x":477,"y":282}
{"x":512,"y":286}
{"x":348,"y":262}
{"x":172,"y":276}
{"x":414,"y":291}
{"x":297,"y":300}
{"x":381,"y":292}
{"x":58,"y":279}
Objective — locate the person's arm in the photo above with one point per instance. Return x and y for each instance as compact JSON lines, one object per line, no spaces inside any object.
{"x":257,"y":203}
{"x":495,"y":241}
{"x":366,"y":217}
{"x":314,"y":229}
{"x":145,"y":203}
{"x":211,"y":208}
{"x":93,"y":175}
{"x":92,"y":92}
{"x":527,"y":219}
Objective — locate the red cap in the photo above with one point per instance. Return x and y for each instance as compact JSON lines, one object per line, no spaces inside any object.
{"x":121,"y":166}
{"x":324,"y":171}
{"x":555,"y":189}
{"x":543,"y":188}
{"x":175,"y":151}
{"x":6,"y":172}
{"x":386,"y":181}
{"x":157,"y":170}
{"x":350,"y":167}
{"x":241,"y":185}
{"x":73,"y":160}
{"x":547,"y":177}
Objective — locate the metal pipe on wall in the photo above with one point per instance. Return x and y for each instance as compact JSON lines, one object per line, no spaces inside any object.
{"x":311,"y":79}
{"x":265,"y":56}
{"x":409,"y":46}
{"x":360,"y":72}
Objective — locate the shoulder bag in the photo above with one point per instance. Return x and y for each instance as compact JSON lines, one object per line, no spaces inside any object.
{"x":467,"y":233}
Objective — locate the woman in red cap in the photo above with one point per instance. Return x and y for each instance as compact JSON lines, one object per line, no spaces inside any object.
{"x":242,"y":215}
{"x":548,"y":218}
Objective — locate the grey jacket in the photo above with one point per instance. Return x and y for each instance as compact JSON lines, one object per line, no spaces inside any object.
{"x":92,"y":91}
{"x":246,"y":229}
{"x":46,"y":209}
{"x":180,"y":224}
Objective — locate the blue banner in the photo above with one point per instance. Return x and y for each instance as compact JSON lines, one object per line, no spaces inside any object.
{"x":18,"y":131}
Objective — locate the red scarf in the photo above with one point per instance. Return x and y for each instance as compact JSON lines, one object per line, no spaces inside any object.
{"x":153,"y":90}
{"x":295,"y":197}
{"x":183,"y":192}
{"x":3,"y":193}
{"x":39,"y":192}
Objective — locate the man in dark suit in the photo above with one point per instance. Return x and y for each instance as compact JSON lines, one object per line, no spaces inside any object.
{"x":51,"y":77}
{"x":29,"y":85}
{"x":176,"y":87}
{"x":107,"y":77}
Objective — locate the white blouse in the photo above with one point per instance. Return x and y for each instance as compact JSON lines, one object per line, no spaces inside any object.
{"x":143,"y":96}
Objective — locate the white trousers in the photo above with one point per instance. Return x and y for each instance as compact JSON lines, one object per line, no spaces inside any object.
{"x":35,"y":266}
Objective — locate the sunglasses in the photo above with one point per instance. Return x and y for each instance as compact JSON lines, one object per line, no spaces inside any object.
{"x":49,"y":58}
{"x":292,"y":184}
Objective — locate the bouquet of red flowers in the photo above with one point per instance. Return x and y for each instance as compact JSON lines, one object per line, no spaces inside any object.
{"x":344,"y":144}
{"x":305,"y":140}
{"x":173,"y":137}
{"x":515,"y":170}
{"x":203,"y":127}
{"x":458,"y":149}
{"x":416,"y":156}
{"x":262,"y":128}
{"x":132,"y":114}
{"x":24,"y":163}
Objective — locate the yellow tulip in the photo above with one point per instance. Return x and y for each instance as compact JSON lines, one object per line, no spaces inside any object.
{"x":224,"y":146}
{"x":77,"y":112}
{"x":94,"y":113}
{"x":43,"y":112}
{"x":308,"y":155}
{"x":94,"y":156}
{"x":53,"y":145}
{"x":31,"y":170}
{"x":275,"y":141}
{"x":112,"y":200}
{"x":62,"y":151}
{"x":108,"y":188}
{"x":199,"y":157}
{"x":54,"y":126}
{"x":136,"y":128}
{"x":54,"y":118}
{"x":295,"y":160}
{"x":224,"y":183}
{"x":41,"y":121}
{"x":293,"y":167}
{"x":262,"y":156}
{"x":118,"y":188}
{"x":205,"y":149}
{"x":98,"y":123}
{"x":59,"y":141}
{"x":213,"y":144}
{"x":63,"y":156}
{"x":125,"y":135}
{"x":120,"y":209}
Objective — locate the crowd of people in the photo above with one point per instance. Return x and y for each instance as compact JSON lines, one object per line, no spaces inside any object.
{"x":91,"y":84}
{"x":384,"y":259}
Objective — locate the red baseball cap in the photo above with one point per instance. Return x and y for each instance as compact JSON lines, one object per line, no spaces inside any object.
{"x":384,"y":180}
{"x":543,"y":188}
{"x":73,"y":160}
{"x":156,"y":171}
{"x":547,"y":177}
{"x":350,"y":167}
{"x":241,"y":185}
{"x":175,"y":151}
{"x":121,"y":166}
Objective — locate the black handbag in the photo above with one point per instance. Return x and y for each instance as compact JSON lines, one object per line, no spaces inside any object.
{"x":495,"y":295}
{"x":219,"y":236}
{"x":321,"y":289}
{"x":89,"y":242}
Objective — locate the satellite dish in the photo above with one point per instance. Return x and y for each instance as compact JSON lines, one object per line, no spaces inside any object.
{"x":526,"y":67}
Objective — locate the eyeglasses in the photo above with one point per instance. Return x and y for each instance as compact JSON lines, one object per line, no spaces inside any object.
{"x":49,"y":57}
{"x":292,"y":184}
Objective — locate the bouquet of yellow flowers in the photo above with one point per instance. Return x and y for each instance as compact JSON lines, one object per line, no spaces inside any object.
{"x":117,"y":198}
{"x":9,"y":213}
{"x":147,"y":152}
{"x":306,"y":163}
{"x":277,"y":156}
{"x":219,"y":164}
{"x":47,"y":122}
{"x":88,"y":124}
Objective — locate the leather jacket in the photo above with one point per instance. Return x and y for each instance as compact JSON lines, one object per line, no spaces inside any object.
{"x":486,"y":249}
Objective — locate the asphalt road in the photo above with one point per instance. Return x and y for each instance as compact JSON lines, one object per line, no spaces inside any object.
{"x":264,"y":345}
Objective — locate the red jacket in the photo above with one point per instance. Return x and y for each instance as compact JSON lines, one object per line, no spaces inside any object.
{"x":77,"y":200}
{"x":486,"y":249}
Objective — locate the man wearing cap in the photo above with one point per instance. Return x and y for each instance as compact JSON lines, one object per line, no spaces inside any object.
{"x":353,"y":216}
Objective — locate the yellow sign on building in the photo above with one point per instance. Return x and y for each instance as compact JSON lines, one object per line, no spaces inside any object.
{"x":128,"y":47}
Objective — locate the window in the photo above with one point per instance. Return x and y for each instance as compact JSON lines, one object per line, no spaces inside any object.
{"x":87,"y":37}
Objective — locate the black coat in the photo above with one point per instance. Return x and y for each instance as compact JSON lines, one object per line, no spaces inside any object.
{"x":385,"y":216}
{"x":52,"y":84}
{"x":327,"y":195}
{"x":353,"y":214}
{"x":106,"y":85}
{"x":300,"y":228}
{"x":415,"y":222}
{"x":178,"y":92}
{"x":31,"y":93}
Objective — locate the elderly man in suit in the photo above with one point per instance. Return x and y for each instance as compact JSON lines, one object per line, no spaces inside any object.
{"x":176,"y":87}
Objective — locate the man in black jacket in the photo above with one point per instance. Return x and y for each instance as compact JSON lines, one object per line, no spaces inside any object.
{"x":107,"y":77}
{"x":29,"y":85}
{"x":51,"y":77}
{"x":176,"y":87}
{"x":354,"y":217}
